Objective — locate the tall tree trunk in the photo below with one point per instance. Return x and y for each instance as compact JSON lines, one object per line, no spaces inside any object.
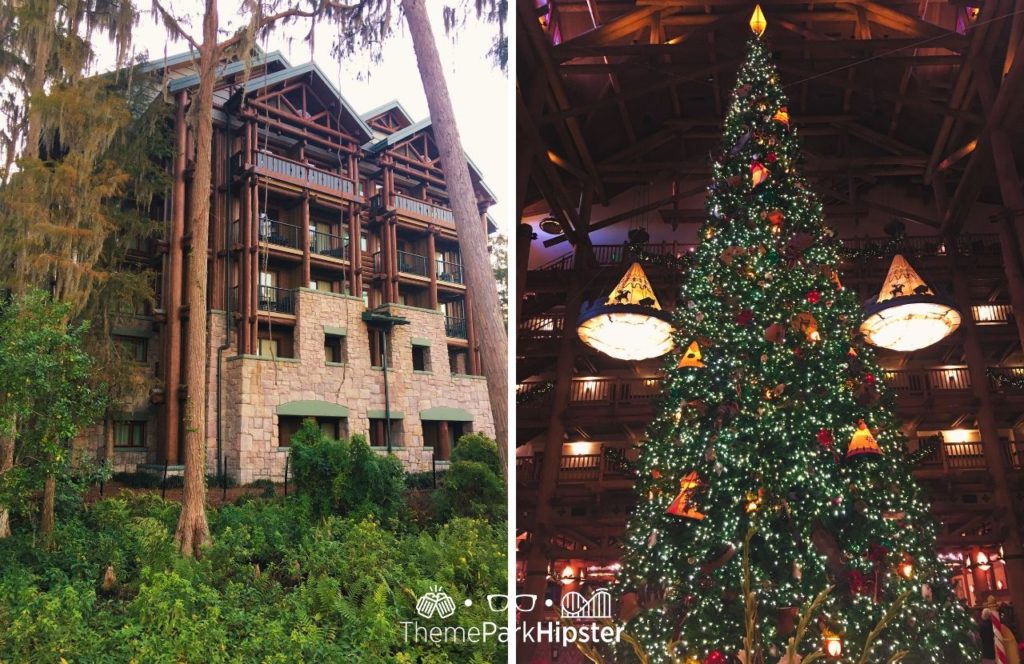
{"x":108,"y":438}
{"x":48,"y":519}
{"x":486,"y":309}
{"x":6,"y":463}
{"x":44,"y":46}
{"x":193,"y":531}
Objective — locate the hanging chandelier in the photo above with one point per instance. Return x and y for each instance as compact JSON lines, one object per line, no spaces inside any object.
{"x":908,"y":315}
{"x":630,"y":324}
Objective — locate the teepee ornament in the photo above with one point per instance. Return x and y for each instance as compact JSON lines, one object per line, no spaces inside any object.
{"x":684,"y":504}
{"x":691,"y":358}
{"x":630,"y":324}
{"x":863,"y":445}
{"x":908,"y":315}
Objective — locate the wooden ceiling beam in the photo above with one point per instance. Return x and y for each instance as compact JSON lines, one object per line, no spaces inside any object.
{"x":541,"y":50}
{"x":610,"y":32}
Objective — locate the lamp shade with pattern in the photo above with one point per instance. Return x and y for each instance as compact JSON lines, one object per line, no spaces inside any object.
{"x":908,"y":314}
{"x":630,"y":324}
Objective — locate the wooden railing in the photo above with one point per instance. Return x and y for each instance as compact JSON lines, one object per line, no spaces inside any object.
{"x":616,"y":254}
{"x":304,"y":174}
{"x":971,"y":456}
{"x":642,"y":390}
{"x":544,"y":326}
{"x":423,"y":208}
{"x":576,"y":468}
{"x":992,"y":314}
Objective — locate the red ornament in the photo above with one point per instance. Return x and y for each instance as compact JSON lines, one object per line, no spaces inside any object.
{"x":745,"y":317}
{"x":655,"y":473}
{"x":825,"y":438}
{"x":715,"y":657}
{"x":814,"y":297}
{"x":877,"y":552}
{"x":771,"y":157}
{"x":758,"y":174}
{"x":869,"y":378}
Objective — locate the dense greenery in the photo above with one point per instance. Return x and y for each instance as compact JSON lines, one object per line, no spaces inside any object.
{"x":319,"y":576}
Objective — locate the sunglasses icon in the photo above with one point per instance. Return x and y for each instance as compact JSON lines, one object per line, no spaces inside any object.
{"x":499,"y":603}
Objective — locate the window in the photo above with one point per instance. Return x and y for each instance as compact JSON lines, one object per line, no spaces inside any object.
{"x":364,"y":241}
{"x":332,"y":427}
{"x":376,"y":357}
{"x":377,"y":437}
{"x":129,"y":433}
{"x":324,"y":285}
{"x":134,"y":347}
{"x":457,"y":360}
{"x":287,"y":426}
{"x":420,"y":358}
{"x":366,"y":298}
{"x":334,"y":348}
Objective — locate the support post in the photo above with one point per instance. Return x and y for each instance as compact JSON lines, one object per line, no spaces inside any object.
{"x":355,"y":249}
{"x":992,"y":447}
{"x":443,"y":445}
{"x":432,"y":266}
{"x":1009,"y":235}
{"x":173,"y":293}
{"x":551,"y":458}
{"x":306,"y":239}
{"x":524,"y":238}
{"x":473,"y":358}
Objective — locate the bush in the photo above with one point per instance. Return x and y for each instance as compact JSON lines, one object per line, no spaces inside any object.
{"x":138,"y":480}
{"x":269,"y":490}
{"x":424,"y":480}
{"x":480,"y":448}
{"x":316,"y":463}
{"x":214,"y":480}
{"x":473,"y":486}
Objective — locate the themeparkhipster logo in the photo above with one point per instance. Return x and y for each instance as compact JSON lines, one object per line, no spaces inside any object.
{"x":436,"y":605}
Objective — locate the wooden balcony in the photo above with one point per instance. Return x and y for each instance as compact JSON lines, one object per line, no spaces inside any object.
{"x":417,"y":210}
{"x":289,"y":171}
{"x":606,"y":466}
{"x":949,"y":457}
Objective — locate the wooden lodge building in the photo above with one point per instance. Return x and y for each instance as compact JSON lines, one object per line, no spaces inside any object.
{"x":336,"y":288}
{"x":621,"y":103}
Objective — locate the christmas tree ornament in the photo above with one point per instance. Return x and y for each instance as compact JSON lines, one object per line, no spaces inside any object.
{"x":758,"y":23}
{"x":691,"y":358}
{"x":831,"y":644}
{"x":863,"y":445}
{"x":630,"y":324}
{"x":753,"y":500}
{"x":771,"y":157}
{"x":805,"y":323}
{"x":782,"y":117}
{"x":685,"y":505}
{"x":905,"y":568}
{"x":775,"y":333}
{"x":715,"y":657}
{"x":825,"y":438}
{"x":814,"y":296}
{"x":744,"y":317}
{"x":908,"y":315}
{"x":652,"y":539}
{"x":758,"y":174}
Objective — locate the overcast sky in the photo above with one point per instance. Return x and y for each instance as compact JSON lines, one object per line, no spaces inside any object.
{"x":479,"y":90}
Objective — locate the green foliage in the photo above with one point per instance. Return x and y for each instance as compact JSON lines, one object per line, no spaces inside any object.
{"x":347,"y":477}
{"x":137,"y":480}
{"x":277,"y":585}
{"x":473,"y":485}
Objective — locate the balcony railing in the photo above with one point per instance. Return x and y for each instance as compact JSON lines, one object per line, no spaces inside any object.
{"x":608,"y":464}
{"x":326,"y":244}
{"x":643,"y":390}
{"x":412,"y":263}
{"x":449,"y":271}
{"x":543,"y":326}
{"x":455,"y":327}
{"x":423,"y":208}
{"x":305,"y":174}
{"x":279,"y":233}
{"x":276,"y":300}
{"x":615,"y":254}
{"x":971,"y":456}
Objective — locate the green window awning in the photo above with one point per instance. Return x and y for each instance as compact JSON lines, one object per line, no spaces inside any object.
{"x":312,"y":409}
{"x":417,"y":341}
{"x":378,"y":414}
{"x":336,"y":331}
{"x":445,"y":414}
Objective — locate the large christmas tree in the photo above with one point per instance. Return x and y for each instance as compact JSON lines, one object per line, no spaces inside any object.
{"x":776,"y":424}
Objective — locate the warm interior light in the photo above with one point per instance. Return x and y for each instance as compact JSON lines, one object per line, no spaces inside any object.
{"x":550,"y":226}
{"x":629,"y":324}
{"x":907,"y":315}
{"x":758,"y":23}
{"x":982,"y":561}
{"x":833,"y":646}
{"x":568,"y":575}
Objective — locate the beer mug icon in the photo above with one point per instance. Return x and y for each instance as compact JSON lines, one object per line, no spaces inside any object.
{"x":435,"y":602}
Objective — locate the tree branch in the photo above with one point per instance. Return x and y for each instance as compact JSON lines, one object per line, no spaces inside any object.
{"x":174,"y":26}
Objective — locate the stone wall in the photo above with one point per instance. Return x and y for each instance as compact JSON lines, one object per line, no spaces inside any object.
{"x":254,"y":387}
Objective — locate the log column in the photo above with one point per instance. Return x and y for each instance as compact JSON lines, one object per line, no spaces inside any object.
{"x":473,"y":359}
{"x":1009,"y":240}
{"x":432,"y":265}
{"x":254,"y":254}
{"x":305,"y":239}
{"x":173,"y":292}
{"x":444,"y":449}
{"x":524,"y":238}
{"x":992,"y":447}
{"x":355,"y":249}
{"x":554,"y":437}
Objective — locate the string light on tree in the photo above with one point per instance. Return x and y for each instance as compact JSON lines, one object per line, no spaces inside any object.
{"x":761,"y":425}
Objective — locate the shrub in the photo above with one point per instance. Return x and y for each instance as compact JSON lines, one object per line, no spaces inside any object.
{"x":316,"y":463}
{"x":138,"y":480}
{"x":374,"y":485}
{"x":480,"y":448}
{"x":269,"y":490}
{"x":424,"y":480}
{"x":473,"y":486}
